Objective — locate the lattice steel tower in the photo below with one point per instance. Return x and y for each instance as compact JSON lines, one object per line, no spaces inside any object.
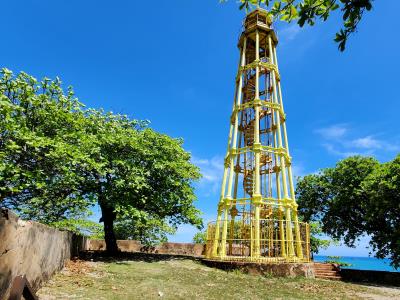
{"x":257,"y":212}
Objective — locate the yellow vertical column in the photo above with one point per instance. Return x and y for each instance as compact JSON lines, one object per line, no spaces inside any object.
{"x":234,"y":211}
{"x":278,"y":182}
{"x":289,"y":234}
{"x":307,"y":242}
{"x":299,"y":249}
{"x":256,"y":198}
{"x":214,"y":252}
{"x":232,"y":152}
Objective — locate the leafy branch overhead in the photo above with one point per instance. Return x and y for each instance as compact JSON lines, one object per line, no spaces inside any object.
{"x":310,"y":11}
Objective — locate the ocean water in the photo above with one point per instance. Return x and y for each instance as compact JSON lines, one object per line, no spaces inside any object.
{"x":362,"y":263}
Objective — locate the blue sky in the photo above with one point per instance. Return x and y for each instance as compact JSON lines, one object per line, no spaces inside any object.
{"x":174,"y":63}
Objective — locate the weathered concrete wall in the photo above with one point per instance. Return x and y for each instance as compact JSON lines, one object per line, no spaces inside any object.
{"x":32,"y":249}
{"x":164,"y":248}
{"x":377,"y":277}
{"x":281,"y":270}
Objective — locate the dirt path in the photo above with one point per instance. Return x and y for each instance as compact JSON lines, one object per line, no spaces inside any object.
{"x":384,"y":293}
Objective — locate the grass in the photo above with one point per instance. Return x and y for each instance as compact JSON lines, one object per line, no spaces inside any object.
{"x":176,"y":278}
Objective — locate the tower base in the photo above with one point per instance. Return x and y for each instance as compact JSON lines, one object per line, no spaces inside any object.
{"x":264,"y":268}
{"x":271,"y":241}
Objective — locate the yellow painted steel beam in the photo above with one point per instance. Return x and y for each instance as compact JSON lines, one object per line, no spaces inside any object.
{"x":269,"y":149}
{"x":259,"y":103}
{"x":232,"y":157}
{"x":224,"y":178}
{"x":290,"y":175}
{"x":257,"y":64}
{"x":289,"y":233}
{"x":257,"y":151}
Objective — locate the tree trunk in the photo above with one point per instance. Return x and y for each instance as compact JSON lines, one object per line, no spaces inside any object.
{"x":108,"y":217}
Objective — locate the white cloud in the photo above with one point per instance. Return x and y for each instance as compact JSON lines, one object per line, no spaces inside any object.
{"x":298,"y":169}
{"x":212,"y":170}
{"x":333,"y":132}
{"x":338,"y":142}
{"x":367,"y":142}
{"x":289,"y":32}
{"x":332,"y":149}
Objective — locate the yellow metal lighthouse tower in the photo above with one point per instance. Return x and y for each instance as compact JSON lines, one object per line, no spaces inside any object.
{"x":257,"y":212}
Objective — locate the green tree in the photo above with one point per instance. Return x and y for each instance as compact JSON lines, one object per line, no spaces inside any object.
{"x":42,"y":149}
{"x":317,"y":239}
{"x":382,"y":217}
{"x":313,"y":194}
{"x":143,"y":227}
{"x":335,"y":197}
{"x":309,"y":11}
{"x":357,"y":197}
{"x":200,"y":237}
{"x":138,"y":169}
{"x":344,"y":217}
{"x":81,"y":226}
{"x":58,"y":159}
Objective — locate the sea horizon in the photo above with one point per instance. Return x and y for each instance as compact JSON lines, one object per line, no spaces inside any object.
{"x":362,"y":263}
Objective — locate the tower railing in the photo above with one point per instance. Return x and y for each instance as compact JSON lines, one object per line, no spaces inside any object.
{"x":239,"y":244}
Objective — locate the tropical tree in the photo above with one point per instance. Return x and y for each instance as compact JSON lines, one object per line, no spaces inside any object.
{"x":311,"y":11}
{"x":344,"y":217}
{"x":382,"y":214}
{"x":81,"y":226}
{"x":319,"y":240}
{"x":200,"y":237}
{"x":58,"y":159}
{"x":139,"y":170}
{"x":42,"y":149}
{"x":357,"y":197}
{"x":141,"y":226}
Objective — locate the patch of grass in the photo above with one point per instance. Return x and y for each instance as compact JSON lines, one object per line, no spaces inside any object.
{"x":186,"y":279}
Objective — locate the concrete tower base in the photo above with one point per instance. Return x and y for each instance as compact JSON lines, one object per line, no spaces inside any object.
{"x":274,"y":269}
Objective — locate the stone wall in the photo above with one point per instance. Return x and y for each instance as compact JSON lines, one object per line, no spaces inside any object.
{"x":280,"y":270}
{"x":32,"y":249}
{"x":376,"y":277}
{"x":189,"y":249}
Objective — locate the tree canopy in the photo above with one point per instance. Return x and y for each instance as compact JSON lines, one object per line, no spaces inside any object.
{"x":358,"y":197}
{"x":200,"y":237}
{"x":58,"y":159}
{"x":43,"y":149}
{"x":311,"y":11}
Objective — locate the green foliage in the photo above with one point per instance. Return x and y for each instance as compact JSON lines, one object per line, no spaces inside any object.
{"x":309,"y":11}
{"x":337,"y":261}
{"x":313,"y":194}
{"x":357,"y":197}
{"x":83,"y":227}
{"x":139,"y":225}
{"x":317,"y":242}
{"x":139,"y":169}
{"x":382,"y":221}
{"x":200,"y":237}
{"x":346,"y":204}
{"x":57,"y":159}
{"x":42,"y":149}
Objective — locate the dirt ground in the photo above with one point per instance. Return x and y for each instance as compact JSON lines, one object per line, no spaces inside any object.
{"x":177,"y":278}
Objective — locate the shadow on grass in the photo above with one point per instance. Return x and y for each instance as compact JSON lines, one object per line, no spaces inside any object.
{"x":120,"y":257}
